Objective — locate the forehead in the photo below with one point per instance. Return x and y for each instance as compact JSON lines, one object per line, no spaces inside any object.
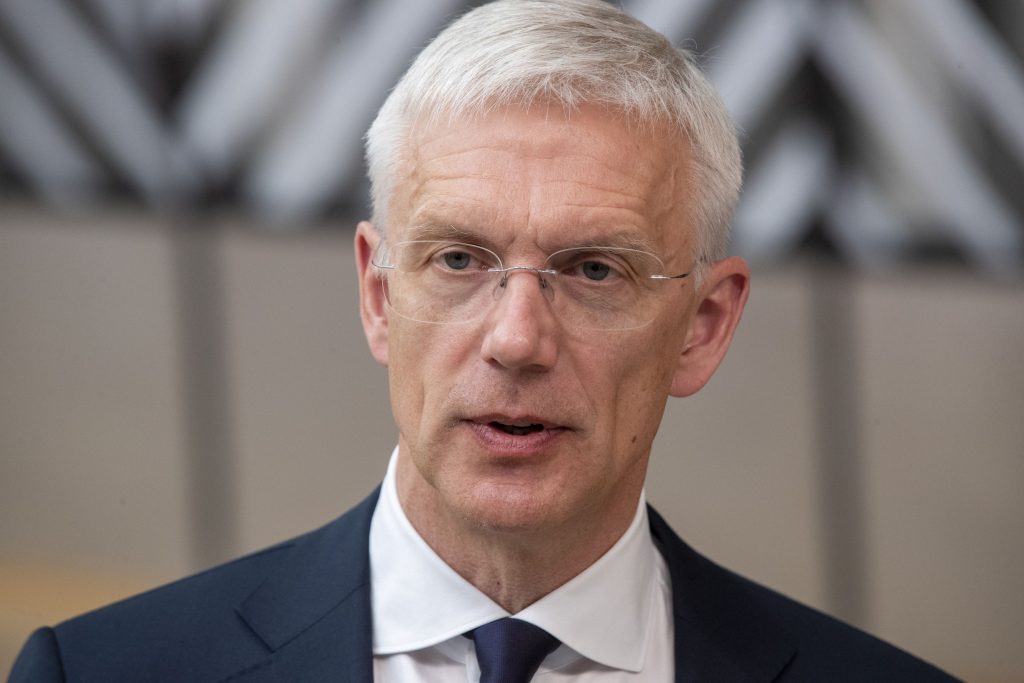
{"x":547,"y":177}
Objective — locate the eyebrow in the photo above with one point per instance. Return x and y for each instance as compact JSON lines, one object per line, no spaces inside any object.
{"x":623,"y":240}
{"x":449,"y":232}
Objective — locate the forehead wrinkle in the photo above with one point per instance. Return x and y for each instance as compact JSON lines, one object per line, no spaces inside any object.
{"x":638,"y":187}
{"x":586,"y":169}
{"x":433,"y":190}
{"x":423,"y":157}
{"x":607,"y":191}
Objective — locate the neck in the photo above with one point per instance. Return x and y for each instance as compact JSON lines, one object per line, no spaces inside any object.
{"x":516,"y":567}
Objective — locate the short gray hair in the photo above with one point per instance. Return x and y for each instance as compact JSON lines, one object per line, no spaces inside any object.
{"x":572,"y":52}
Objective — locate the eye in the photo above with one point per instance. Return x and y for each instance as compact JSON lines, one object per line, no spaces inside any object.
{"x":456,"y":260}
{"x":595,"y":270}
{"x":591,"y":266}
{"x":450,"y":257}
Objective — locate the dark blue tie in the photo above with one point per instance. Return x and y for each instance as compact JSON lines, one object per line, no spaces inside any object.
{"x":510,"y":650}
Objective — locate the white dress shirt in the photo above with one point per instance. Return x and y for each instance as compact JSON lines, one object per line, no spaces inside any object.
{"x":614,"y":620}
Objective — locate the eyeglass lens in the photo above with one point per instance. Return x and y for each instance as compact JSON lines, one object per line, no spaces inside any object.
{"x":587,"y":287}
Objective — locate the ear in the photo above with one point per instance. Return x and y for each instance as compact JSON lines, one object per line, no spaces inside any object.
{"x":372,"y":305}
{"x":720,"y":302}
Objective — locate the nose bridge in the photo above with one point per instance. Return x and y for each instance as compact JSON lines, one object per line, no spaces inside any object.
{"x":511,"y":287}
{"x":522,"y":327}
{"x":542,"y":274}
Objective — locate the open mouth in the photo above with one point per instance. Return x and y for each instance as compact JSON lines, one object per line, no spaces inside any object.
{"x":517,"y":429}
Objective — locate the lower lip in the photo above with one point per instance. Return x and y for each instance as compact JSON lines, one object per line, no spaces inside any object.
{"x":502,"y":443}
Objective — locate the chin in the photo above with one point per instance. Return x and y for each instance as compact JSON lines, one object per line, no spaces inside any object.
{"x":512,"y":508}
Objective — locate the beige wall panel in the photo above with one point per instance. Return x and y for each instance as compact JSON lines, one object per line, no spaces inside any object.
{"x":313,"y":428}
{"x":943,"y":397}
{"x":92,"y":475}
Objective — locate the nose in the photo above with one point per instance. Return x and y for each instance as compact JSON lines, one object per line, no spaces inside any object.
{"x":521,"y":329}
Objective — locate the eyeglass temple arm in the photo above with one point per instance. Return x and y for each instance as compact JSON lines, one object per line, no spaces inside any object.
{"x":377,"y":259}
{"x":549,"y":271}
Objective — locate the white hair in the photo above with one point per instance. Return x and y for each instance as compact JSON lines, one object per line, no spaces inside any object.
{"x":571,"y":52}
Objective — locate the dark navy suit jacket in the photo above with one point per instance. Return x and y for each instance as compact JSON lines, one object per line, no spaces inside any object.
{"x":300,"y":611}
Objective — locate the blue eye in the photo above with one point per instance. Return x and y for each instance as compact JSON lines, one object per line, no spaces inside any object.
{"x":594,"y":270}
{"x":456,"y":260}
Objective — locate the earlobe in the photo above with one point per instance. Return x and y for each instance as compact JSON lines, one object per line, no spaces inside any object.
{"x":372,"y":306}
{"x":722,"y":297}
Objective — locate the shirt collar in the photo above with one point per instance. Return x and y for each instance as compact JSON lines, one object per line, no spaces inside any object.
{"x":418,"y":601}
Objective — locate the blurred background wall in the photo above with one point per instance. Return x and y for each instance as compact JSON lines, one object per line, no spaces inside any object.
{"x":183,"y":378}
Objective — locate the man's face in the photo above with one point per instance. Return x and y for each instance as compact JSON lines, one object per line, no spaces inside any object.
{"x":528,"y":183}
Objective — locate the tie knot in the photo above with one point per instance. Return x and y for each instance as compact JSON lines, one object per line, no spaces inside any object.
{"x":510,"y":650}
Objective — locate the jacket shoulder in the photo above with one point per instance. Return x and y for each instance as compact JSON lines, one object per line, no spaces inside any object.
{"x":827,"y":648}
{"x":185,"y":630}
{"x":197,"y":628}
{"x":759,"y":634}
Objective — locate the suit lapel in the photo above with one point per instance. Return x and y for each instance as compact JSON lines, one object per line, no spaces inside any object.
{"x":313,"y":613}
{"x":722,"y":632}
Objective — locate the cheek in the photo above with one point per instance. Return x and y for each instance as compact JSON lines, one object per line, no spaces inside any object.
{"x":642,"y":382}
{"x":645,"y":362}
{"x":407,"y":374}
{"x":423,"y":360}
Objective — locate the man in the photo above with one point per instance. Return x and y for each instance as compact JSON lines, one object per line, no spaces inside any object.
{"x":552,"y":185}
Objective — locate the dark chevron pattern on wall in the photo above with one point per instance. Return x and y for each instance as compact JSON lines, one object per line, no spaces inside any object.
{"x":884,"y":130}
